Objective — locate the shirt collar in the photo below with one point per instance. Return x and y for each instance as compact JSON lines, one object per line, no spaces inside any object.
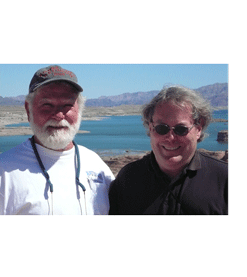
{"x":195,"y":162}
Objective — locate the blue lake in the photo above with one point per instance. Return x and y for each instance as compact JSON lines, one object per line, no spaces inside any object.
{"x":118,"y":134}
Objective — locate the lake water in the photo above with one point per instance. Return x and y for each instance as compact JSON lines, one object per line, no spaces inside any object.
{"x":118,"y":134}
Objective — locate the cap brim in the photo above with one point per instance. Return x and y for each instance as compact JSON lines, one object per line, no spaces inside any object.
{"x":78,"y":87}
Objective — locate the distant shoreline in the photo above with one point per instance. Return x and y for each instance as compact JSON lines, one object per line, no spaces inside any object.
{"x":17,"y":114}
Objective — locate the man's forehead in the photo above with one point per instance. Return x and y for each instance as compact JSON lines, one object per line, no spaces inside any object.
{"x":167,"y":111}
{"x":176,"y":107}
{"x":57,"y":99}
{"x":45,"y":95}
{"x":65,"y":86}
{"x":56,"y":91}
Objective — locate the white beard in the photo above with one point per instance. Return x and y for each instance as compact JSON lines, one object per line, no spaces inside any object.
{"x":55,"y":139}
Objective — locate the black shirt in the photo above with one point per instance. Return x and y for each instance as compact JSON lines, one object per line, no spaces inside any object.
{"x":142,"y":188}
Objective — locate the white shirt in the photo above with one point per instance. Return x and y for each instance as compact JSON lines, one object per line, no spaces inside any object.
{"x":24,"y":189}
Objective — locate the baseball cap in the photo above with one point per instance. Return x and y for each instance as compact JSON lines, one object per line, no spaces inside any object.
{"x":53,"y":73}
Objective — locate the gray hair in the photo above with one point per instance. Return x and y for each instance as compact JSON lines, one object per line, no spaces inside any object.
{"x":80,"y":100}
{"x":182,"y":97}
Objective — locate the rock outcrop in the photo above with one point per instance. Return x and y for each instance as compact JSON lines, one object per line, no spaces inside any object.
{"x":222,"y":136}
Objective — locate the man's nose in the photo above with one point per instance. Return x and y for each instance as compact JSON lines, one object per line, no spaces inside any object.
{"x":58,"y":114}
{"x":170,"y":135}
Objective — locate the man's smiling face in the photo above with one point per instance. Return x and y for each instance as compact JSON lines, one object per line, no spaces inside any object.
{"x":173,"y":152}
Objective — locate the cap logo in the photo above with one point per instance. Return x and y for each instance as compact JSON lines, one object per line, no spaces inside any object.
{"x":56,"y":71}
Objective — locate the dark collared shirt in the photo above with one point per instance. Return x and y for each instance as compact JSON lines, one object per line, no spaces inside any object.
{"x":142,"y":188}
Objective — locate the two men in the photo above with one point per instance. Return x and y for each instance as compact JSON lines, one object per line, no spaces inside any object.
{"x":49,"y":174}
{"x":175,"y":178}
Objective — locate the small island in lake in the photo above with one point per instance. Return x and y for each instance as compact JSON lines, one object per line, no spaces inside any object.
{"x":222,"y":136}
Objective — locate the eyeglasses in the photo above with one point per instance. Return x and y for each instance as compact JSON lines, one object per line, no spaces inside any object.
{"x":180,"y":130}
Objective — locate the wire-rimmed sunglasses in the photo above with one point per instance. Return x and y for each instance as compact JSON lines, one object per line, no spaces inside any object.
{"x":180,"y":130}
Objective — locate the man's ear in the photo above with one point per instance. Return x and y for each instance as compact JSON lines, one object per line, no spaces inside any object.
{"x":199,"y":131}
{"x":27,"y":110}
{"x":199,"y":127}
{"x":150,"y":128}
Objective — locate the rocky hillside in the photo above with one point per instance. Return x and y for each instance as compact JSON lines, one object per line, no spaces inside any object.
{"x":217,"y":94}
{"x":136,"y":98}
{"x":12,"y":101}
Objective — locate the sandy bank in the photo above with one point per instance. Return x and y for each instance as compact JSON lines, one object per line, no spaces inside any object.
{"x":16,"y":115}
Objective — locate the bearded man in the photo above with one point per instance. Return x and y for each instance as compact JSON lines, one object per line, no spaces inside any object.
{"x":49,"y":173}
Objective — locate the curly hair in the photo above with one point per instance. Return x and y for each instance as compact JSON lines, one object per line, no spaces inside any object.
{"x":182,"y":97}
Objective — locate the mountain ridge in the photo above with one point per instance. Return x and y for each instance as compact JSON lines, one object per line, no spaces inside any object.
{"x":216,"y":94}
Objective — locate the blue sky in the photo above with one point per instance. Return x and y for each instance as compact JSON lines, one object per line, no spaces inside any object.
{"x":113,"y":79}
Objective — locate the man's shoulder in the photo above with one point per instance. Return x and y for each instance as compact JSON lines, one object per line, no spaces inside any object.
{"x":86,"y":153}
{"x":16,"y":151}
{"x":18,"y":158}
{"x":213,"y":162}
{"x":85,"y":149}
{"x":140,"y":166}
{"x":90,"y":159}
{"x":211,"y":158}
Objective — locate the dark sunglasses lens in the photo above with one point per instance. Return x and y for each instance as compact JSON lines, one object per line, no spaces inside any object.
{"x":162,"y":129}
{"x":181,"y":130}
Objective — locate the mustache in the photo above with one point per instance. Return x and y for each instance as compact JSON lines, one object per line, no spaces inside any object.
{"x":54,"y":123}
